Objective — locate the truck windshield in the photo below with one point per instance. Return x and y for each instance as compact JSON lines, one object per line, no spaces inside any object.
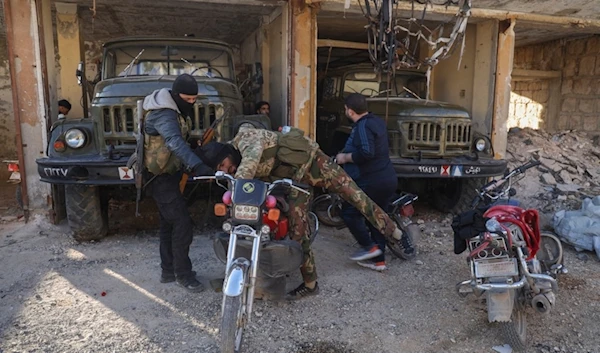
{"x":371,"y":84}
{"x":164,"y":59}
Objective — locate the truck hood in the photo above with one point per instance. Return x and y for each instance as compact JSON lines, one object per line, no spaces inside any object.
{"x":121,"y":87}
{"x":411,"y":107}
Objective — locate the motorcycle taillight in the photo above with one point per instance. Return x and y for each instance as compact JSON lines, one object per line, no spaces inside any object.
{"x":407,"y":211}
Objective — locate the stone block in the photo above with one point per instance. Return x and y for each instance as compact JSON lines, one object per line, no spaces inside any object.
{"x":570,"y":68}
{"x":548,"y":179}
{"x":582,"y":86}
{"x":574,"y":122}
{"x":591,"y":123}
{"x":576,"y":47}
{"x":563,"y":121}
{"x":541,"y":96}
{"x":587,"y":105}
{"x":569,"y":105}
{"x":597,"y":67}
{"x":567,"y":87}
{"x":593,"y":45}
{"x":587,"y":66}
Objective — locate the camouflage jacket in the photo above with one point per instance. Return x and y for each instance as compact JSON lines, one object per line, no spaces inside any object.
{"x":258,"y":148}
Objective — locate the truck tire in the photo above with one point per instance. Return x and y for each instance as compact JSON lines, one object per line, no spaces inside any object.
{"x":455,"y":195}
{"x":86,"y":212}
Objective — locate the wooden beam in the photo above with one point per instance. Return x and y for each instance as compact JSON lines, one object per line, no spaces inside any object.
{"x":341,"y":44}
{"x":502,"y":87}
{"x":406,"y":7}
{"x":520,"y":74}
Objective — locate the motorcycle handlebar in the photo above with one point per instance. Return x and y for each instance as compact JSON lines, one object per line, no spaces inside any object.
{"x":526,"y":166}
{"x":222,"y":175}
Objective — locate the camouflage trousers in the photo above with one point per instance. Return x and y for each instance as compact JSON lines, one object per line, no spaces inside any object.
{"x":323,"y":173}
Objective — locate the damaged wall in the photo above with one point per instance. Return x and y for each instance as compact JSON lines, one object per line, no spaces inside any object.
{"x":7,"y":123}
{"x":578,"y":103}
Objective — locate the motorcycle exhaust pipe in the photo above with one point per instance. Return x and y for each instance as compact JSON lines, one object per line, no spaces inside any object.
{"x":543,"y":302}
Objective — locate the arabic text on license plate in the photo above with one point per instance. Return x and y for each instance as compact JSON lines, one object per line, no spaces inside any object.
{"x":496,"y":269}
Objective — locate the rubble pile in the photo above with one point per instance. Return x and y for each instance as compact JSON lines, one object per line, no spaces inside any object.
{"x":569,"y":173}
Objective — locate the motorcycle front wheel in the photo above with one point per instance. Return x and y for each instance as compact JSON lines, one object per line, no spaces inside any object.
{"x":232,"y":325}
{"x":412,"y":231}
{"x":515,"y":331}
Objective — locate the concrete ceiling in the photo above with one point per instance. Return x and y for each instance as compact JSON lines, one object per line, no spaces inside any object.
{"x":229,"y":21}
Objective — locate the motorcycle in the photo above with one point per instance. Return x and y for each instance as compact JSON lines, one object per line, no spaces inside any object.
{"x":328,"y":210}
{"x":511,"y":261}
{"x":255,"y":248}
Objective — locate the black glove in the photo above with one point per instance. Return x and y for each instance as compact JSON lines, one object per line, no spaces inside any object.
{"x":202,"y":169}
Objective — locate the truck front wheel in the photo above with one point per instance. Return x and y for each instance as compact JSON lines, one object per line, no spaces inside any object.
{"x":86,"y":213}
{"x":455,"y":195}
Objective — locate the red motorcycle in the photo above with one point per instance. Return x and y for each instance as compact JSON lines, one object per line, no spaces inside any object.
{"x":511,"y":260}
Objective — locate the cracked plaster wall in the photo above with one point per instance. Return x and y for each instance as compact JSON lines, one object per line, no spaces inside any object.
{"x":7,"y":124}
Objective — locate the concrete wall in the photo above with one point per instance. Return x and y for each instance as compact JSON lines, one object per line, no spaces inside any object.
{"x":8,"y":148}
{"x":577,"y":105}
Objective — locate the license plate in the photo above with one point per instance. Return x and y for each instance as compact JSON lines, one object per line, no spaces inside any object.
{"x":496,"y":268}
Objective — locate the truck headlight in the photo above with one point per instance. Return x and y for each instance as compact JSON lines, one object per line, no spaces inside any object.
{"x":480,"y":144}
{"x":75,"y":138}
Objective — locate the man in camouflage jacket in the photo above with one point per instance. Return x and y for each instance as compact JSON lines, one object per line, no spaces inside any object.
{"x":255,"y":146}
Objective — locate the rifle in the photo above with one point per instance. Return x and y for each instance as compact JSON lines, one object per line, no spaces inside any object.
{"x":139,"y":164}
{"x":207,"y":136}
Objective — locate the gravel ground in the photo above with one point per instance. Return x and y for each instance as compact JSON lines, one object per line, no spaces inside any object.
{"x":60,"y":296}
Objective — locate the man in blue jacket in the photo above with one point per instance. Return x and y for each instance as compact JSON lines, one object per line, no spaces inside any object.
{"x":366,"y":159}
{"x":166,"y":151}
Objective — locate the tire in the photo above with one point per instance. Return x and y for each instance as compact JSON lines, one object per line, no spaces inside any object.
{"x":515,"y":331}
{"x":313,"y":226}
{"x":455,"y":195}
{"x":327,"y":215}
{"x":87,"y":217}
{"x":412,"y":231}
{"x":232,"y":336}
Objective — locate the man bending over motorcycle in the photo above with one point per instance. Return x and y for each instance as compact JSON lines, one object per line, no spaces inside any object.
{"x":264,"y":154}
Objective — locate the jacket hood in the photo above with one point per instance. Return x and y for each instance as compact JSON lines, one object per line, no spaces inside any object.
{"x":160,"y":99}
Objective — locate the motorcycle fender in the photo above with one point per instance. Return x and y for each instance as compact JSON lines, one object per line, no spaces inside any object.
{"x":234,"y":284}
{"x":500,"y":305}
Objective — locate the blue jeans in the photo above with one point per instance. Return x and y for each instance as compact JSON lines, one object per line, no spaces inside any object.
{"x":382,"y":192}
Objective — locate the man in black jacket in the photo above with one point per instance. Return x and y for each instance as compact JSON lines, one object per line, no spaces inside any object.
{"x":165,"y":150}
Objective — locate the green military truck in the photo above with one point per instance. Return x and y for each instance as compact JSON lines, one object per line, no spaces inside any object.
{"x":433,"y":146}
{"x":89,"y":155}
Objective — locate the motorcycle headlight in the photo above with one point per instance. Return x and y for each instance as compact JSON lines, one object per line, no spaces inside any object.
{"x":75,"y":138}
{"x":227,"y":227}
{"x":480,"y":144}
{"x":246,"y":213}
{"x":265,"y":229}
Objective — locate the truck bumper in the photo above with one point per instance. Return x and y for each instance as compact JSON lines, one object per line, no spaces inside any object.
{"x":95,"y":170}
{"x":459,"y":167}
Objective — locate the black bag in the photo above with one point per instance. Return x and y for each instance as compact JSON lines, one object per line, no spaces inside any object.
{"x":467,"y":225}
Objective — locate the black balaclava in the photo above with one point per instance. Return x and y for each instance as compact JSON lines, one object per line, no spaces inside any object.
{"x":185,"y":84}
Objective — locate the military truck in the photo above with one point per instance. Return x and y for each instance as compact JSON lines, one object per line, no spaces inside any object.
{"x":433,"y":146}
{"x":89,"y":155}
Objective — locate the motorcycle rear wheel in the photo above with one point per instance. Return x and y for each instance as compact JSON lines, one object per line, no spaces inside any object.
{"x":515,"y":331}
{"x":232,"y":325}
{"x":328,"y":212}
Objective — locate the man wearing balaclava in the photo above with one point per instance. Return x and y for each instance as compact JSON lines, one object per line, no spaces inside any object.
{"x":167,"y":124}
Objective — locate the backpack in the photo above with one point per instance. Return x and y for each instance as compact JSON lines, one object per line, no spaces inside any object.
{"x":294,"y":151}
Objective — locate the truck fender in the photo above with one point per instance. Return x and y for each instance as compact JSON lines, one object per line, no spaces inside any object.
{"x":500,"y":305}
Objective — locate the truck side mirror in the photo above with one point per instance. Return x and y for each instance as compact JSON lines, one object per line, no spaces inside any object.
{"x":79,"y":73}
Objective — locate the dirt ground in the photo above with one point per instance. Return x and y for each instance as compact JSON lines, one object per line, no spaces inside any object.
{"x":57,"y":295}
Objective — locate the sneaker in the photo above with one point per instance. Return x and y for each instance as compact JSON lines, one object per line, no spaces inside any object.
{"x":168,"y":277}
{"x":363,"y":254}
{"x":302,"y":291}
{"x":406,"y":243}
{"x":191,"y":284}
{"x":377,"y":266}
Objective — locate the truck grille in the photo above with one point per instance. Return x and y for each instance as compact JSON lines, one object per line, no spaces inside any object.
{"x":120,"y":122}
{"x":435,"y":138}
